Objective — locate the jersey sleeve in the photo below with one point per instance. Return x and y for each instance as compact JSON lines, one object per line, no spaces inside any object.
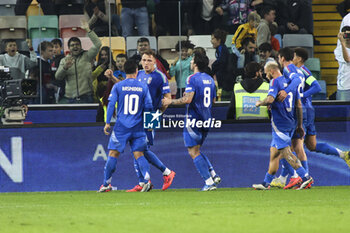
{"x":274,"y":88}
{"x":113,"y":98}
{"x":190,"y":87}
{"x":165,"y":85}
{"x":314,"y":87}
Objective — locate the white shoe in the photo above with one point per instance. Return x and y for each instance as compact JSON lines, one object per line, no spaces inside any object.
{"x":104,"y":189}
{"x":147,"y":187}
{"x":260,"y":187}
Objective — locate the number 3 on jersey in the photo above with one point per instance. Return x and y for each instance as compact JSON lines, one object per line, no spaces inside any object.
{"x":207,"y":99}
{"x":131,"y":104}
{"x":290,"y":102}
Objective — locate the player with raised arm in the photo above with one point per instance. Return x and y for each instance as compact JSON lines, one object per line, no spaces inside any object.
{"x":158,"y":87}
{"x":133,"y":98}
{"x":283,"y":121}
{"x":199,"y":96}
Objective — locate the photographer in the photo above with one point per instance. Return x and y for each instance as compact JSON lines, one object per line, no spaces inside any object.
{"x":342,"y":55}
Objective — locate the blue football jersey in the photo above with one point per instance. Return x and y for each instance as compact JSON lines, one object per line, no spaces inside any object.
{"x":157,"y":84}
{"x":292,"y":72}
{"x":311,"y":86}
{"x":133,"y":98}
{"x":204,"y":92}
{"x":283,"y":115}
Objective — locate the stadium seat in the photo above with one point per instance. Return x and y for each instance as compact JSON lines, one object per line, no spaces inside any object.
{"x":13,"y":27}
{"x":131,"y":44}
{"x":322,"y":95}
{"x":204,"y":41}
{"x":166,"y":46}
{"x":34,"y":9}
{"x":22,"y":46}
{"x":7,"y":7}
{"x":43,"y":26}
{"x":228,"y":42}
{"x":279,"y":38}
{"x":86,"y":44}
{"x":69,"y":7}
{"x":69,"y":26}
{"x":117,"y":44}
{"x":299,"y":40}
{"x":314,"y":65}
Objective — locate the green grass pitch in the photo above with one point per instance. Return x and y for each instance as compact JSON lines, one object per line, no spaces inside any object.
{"x":320,"y":209}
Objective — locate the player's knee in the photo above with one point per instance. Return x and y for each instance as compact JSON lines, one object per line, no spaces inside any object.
{"x":114,"y":153}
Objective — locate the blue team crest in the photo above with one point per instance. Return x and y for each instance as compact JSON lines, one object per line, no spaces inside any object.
{"x":151,"y":120}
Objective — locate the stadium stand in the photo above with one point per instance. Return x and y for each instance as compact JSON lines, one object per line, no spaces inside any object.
{"x":7,"y":7}
{"x":13,"y":27}
{"x":314,"y":65}
{"x":228,"y":42}
{"x":69,"y":26}
{"x":34,"y":9}
{"x":299,"y":40}
{"x":166,"y":46}
{"x":117,"y":44}
{"x":43,"y":26}
{"x":204,"y":41}
{"x":69,"y":7}
{"x":131,"y":44}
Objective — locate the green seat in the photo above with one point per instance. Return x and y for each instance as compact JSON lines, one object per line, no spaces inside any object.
{"x":43,"y":26}
{"x":228,"y":42}
{"x":314,"y":65}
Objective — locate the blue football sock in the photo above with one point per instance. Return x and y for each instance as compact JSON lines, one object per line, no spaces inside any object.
{"x":326,"y":149}
{"x":202,"y":167}
{"x":138,"y":172}
{"x":144,"y":167}
{"x":207,"y":161}
{"x":109,"y":169}
{"x":288,"y":168}
{"x":268,"y":179}
{"x":153,"y":159}
{"x":305,"y":165}
{"x":301,"y":172}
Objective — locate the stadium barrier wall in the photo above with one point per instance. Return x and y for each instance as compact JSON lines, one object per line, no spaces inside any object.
{"x":72,"y":156}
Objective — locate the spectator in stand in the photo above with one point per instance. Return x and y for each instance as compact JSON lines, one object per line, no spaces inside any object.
{"x":181,"y":69}
{"x":99,"y":82}
{"x":247,"y":30}
{"x":48,"y":6}
{"x":120,"y":61}
{"x":134,"y":12}
{"x":97,"y":13}
{"x":265,"y":53}
{"x":342,"y":55}
{"x":268,"y":17}
{"x":17,"y":62}
{"x":202,"y":16}
{"x":167,"y":17}
{"x":235,"y":13}
{"x":343,"y":8}
{"x":43,"y":71}
{"x":219,"y":67}
{"x":144,"y":45}
{"x":248,"y":53}
{"x":76,"y":69}
{"x":55,"y":62}
{"x":274,"y":41}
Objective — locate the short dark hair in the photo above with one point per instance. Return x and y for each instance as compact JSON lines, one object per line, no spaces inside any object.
{"x":9,"y":41}
{"x":57,"y":41}
{"x":251,"y":68}
{"x":345,"y":28}
{"x":201,"y":60}
{"x":186,"y":44}
{"x":143,"y":39}
{"x":130,"y":66}
{"x":44,"y":45}
{"x":200,"y":50}
{"x":301,"y":52}
{"x":121,"y":55}
{"x":287,"y":53}
{"x":265,"y":11}
{"x":73,"y":39}
{"x":246,"y":41}
{"x":150,"y":52}
{"x":264,"y":47}
{"x":220,"y":35}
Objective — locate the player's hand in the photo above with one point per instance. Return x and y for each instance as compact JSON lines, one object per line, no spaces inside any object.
{"x":300,"y":132}
{"x":258,"y":103}
{"x":282,"y":95}
{"x":106,"y":129}
{"x":166,"y":101}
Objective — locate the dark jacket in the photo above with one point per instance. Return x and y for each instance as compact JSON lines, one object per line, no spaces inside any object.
{"x":250,"y":85}
{"x":134,"y":3}
{"x":223,"y":68}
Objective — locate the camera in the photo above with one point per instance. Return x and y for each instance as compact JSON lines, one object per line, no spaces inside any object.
{"x":13,"y":94}
{"x":346,"y":36}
